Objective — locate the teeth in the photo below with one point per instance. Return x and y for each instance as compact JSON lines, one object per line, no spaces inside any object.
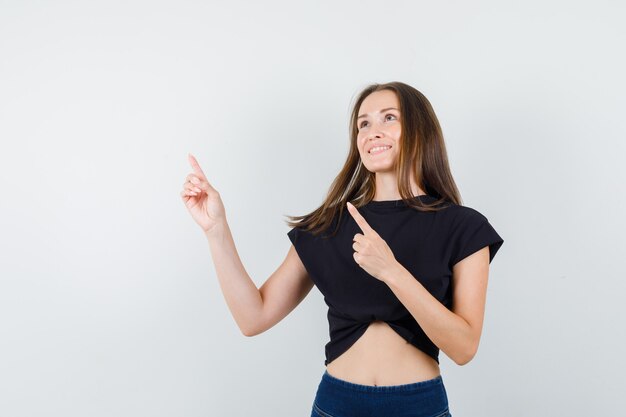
{"x":379,"y":148}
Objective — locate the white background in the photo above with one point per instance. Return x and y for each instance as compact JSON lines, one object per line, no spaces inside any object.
{"x":109,"y":302}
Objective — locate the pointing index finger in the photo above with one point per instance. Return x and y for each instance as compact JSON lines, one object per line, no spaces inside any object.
{"x":359,"y":219}
{"x":195,"y":165}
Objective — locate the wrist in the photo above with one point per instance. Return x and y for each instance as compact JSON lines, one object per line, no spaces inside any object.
{"x":394,"y":273}
{"x":217,"y":230}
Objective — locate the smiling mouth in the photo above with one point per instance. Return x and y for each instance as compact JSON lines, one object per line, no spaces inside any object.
{"x":379,"y":151}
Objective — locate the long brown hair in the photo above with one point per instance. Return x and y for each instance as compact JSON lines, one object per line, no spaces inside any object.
{"x":422,"y":155}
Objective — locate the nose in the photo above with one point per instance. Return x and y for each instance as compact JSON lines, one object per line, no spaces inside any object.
{"x":375,"y":131}
{"x":374,"y":134}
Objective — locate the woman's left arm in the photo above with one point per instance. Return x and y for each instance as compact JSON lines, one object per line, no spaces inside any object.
{"x":456,"y":332}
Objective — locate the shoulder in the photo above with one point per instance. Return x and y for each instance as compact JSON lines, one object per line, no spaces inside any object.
{"x":470,"y":230}
{"x":458,"y":215}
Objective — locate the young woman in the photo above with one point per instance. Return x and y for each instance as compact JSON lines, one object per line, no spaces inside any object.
{"x":402,"y":264}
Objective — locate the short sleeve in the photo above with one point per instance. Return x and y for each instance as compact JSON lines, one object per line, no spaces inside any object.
{"x":302,"y":241}
{"x":472,"y":234}
{"x":293,"y":236}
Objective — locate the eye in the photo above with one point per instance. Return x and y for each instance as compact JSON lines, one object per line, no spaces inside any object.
{"x":388,"y":114}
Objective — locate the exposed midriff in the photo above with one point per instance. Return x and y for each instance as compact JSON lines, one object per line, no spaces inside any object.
{"x":382,"y":357}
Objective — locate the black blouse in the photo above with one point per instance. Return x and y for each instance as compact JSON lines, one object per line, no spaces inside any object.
{"x":427,"y":244}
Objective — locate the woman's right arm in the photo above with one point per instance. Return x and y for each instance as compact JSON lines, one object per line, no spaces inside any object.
{"x":257,"y":310}
{"x":254,"y":310}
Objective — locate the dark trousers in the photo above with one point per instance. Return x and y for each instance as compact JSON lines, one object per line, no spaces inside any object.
{"x":338,"y":398}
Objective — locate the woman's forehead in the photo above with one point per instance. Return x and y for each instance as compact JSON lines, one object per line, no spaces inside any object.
{"x":378,"y":101}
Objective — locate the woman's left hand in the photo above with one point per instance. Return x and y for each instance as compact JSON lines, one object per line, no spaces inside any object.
{"x":371,"y":251}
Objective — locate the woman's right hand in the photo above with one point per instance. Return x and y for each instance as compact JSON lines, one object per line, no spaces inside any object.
{"x":205,"y":205}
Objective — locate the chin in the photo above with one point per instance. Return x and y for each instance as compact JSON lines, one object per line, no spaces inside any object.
{"x":380,"y":168}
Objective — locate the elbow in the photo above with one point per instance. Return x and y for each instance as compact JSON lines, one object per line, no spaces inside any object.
{"x":467,"y":355}
{"x":252,"y":327}
{"x":463,"y":360}
{"x":248,"y":332}
{"x":252,"y":330}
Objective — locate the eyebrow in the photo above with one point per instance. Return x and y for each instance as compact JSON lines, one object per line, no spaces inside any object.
{"x":383,"y":110}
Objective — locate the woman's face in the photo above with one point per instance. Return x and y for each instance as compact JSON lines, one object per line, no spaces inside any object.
{"x":379,"y":126}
